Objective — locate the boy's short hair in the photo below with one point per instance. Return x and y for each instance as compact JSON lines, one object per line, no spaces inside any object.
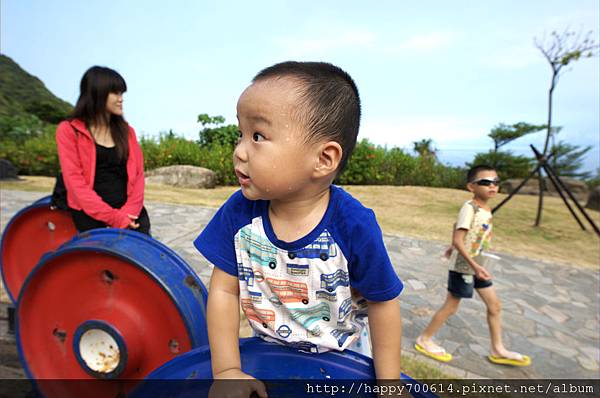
{"x":329,"y":102}
{"x":473,"y":171}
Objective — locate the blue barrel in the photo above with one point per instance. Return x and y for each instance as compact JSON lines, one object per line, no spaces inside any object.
{"x":110,"y":304}
{"x":33,"y":231}
{"x":285,"y":371}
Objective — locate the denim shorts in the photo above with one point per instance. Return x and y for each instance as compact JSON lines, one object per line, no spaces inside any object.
{"x":462,"y":285}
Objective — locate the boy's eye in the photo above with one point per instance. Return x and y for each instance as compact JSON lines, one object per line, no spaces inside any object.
{"x":257,"y":137}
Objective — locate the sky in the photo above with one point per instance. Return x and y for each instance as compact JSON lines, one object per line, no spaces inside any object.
{"x":445,"y":70}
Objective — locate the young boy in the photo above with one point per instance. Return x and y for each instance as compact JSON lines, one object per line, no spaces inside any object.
{"x":471,"y":237}
{"x":301,"y":255}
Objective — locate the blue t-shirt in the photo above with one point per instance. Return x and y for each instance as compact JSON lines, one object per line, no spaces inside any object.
{"x":309,"y":293}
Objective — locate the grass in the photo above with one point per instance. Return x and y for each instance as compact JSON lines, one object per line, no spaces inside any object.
{"x":428,"y":213}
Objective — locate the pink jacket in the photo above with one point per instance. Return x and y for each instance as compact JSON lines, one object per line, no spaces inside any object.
{"x":77,"y":155}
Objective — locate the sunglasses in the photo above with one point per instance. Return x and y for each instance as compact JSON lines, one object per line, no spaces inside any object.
{"x":486,"y":182}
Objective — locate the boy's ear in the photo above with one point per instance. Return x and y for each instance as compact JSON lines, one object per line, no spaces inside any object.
{"x":329,"y":158}
{"x":470,"y":187}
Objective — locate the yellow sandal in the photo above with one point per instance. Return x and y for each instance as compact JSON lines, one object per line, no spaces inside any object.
{"x":442,"y":356}
{"x":524,"y":361}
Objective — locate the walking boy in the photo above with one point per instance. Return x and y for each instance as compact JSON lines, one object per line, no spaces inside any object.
{"x":302,"y":256}
{"x":472,"y":236}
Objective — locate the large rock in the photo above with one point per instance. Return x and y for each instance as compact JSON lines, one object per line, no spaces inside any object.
{"x":593,"y":201}
{"x":182,"y":176}
{"x":530,"y":188}
{"x":7,"y":170}
{"x":578,"y":188}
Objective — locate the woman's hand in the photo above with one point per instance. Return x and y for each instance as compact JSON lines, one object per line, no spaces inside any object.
{"x":132,"y":223}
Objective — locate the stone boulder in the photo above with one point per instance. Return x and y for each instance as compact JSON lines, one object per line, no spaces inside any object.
{"x":182,"y":176}
{"x":577,"y":187}
{"x":531,"y":188}
{"x":593,"y":201}
{"x":7,"y":170}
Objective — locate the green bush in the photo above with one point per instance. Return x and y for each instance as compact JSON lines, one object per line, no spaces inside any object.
{"x":29,"y":144}
{"x":375,"y":165}
{"x":169,"y":149}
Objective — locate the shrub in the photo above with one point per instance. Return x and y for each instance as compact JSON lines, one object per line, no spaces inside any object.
{"x":169,"y":149}
{"x":29,"y":144}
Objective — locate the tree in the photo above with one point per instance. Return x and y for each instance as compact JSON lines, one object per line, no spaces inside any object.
{"x":424,"y":148}
{"x":502,"y":133}
{"x":568,"y":160}
{"x":226,"y":135}
{"x":561,"y":50}
{"x":506,"y":164}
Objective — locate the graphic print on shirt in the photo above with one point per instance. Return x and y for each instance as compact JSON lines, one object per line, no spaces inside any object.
{"x":341,"y":335}
{"x":264,"y":317}
{"x":308,"y":316}
{"x":289,"y":291}
{"x":298,"y":296}
{"x":323,"y":247}
{"x":330,"y":282}
{"x":258,"y":248}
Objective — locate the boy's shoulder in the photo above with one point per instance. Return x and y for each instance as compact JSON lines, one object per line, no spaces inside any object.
{"x":350,"y":212}
{"x":238,"y":209}
{"x":348,"y":204}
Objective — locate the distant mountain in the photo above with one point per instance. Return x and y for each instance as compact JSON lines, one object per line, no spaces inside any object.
{"x":22,"y":93}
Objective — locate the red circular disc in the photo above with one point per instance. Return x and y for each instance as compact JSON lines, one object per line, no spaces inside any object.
{"x":32,"y":232}
{"x":78,"y":287}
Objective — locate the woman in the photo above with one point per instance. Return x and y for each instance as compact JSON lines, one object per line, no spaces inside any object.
{"x":101,"y":161}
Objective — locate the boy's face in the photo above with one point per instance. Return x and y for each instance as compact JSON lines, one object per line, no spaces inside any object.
{"x":481,"y":187}
{"x":271,"y":160}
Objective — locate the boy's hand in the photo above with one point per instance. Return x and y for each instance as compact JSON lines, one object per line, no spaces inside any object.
{"x":448,"y":251}
{"x":482,"y":273}
{"x":233,"y":383}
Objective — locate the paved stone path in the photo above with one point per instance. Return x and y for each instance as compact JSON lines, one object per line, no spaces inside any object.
{"x":550,"y":311}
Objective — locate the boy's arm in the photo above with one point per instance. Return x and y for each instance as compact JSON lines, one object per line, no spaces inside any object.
{"x":223,"y":316}
{"x":448,"y":251}
{"x":386,"y":338}
{"x":459,"y":243}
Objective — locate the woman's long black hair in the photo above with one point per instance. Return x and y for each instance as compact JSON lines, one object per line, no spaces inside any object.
{"x":96,"y":83}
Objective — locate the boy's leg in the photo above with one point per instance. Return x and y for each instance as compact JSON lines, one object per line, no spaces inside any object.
{"x":459,"y":286}
{"x":424,"y":344}
{"x":448,"y":309}
{"x":492,"y":302}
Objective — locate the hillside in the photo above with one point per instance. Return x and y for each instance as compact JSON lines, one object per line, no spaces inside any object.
{"x":23,"y":94}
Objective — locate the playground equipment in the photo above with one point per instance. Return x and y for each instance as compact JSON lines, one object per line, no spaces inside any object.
{"x":285,"y":371}
{"x":33,"y":231}
{"x":110,"y":304}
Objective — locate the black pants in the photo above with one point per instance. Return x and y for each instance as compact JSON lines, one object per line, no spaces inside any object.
{"x":83,"y":222}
